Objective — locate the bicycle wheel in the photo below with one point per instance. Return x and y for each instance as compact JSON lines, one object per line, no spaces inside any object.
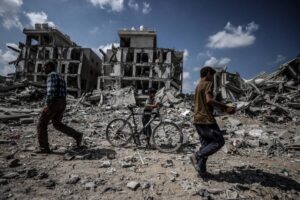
{"x":119,"y":132}
{"x":167,"y":137}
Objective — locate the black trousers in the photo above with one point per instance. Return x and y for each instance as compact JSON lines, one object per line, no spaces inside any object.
{"x":54,"y":112}
{"x":211,"y":139}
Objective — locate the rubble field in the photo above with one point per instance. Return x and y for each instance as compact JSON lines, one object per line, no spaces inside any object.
{"x":255,"y":163}
{"x":260,"y":159}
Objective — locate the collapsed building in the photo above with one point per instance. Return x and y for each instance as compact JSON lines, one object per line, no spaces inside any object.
{"x":277,"y":92}
{"x":138,"y":62}
{"x":79,"y":66}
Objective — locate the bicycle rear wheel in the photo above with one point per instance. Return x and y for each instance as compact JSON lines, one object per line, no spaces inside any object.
{"x":167,"y":137}
{"x":119,"y":132}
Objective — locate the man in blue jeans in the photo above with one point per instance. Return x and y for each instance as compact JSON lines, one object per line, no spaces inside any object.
{"x":211,"y":137}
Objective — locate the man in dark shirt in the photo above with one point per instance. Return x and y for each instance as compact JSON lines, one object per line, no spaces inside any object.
{"x":54,"y":109}
{"x":211,"y":137}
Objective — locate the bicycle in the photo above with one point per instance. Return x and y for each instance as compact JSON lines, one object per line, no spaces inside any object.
{"x":166,"y":136}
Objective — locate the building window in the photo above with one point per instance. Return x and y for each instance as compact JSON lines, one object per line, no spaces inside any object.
{"x":125,"y":42}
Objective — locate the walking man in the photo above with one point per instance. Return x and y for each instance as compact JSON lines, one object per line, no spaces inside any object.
{"x":54,"y":109}
{"x":211,"y":137}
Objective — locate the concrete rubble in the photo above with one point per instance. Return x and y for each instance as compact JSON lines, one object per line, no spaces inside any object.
{"x":260,"y":159}
{"x":274,"y":95}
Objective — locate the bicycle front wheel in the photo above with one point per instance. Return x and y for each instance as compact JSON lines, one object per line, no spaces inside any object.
{"x":119,"y":132}
{"x":167,"y":137}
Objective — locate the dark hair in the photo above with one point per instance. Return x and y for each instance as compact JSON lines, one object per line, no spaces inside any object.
{"x":204,"y":71}
{"x":50,"y":64}
{"x":151,"y":91}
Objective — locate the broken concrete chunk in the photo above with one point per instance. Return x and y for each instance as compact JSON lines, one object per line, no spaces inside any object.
{"x":73,"y":179}
{"x":240,"y":132}
{"x":133,"y":185}
{"x":105,"y":164}
{"x":126,"y":164}
{"x":168,"y":163}
{"x":234,"y":122}
{"x":287,"y":134}
{"x":145,"y":185}
{"x":256,"y":133}
{"x":68,"y":156}
{"x":89,"y":185}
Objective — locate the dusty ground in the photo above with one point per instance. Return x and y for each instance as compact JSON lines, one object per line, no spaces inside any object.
{"x":99,"y":172}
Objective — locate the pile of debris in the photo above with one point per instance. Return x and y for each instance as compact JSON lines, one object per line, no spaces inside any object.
{"x":275,"y":95}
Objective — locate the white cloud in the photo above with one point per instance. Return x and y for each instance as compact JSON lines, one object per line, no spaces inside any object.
{"x":38,"y":18}
{"x":146,"y":8}
{"x":252,"y":27}
{"x":108,"y":46}
{"x":187,"y":86}
{"x":279,"y":58}
{"x":9,"y":13}
{"x":196,"y":82}
{"x":204,"y":54}
{"x":13,"y":45}
{"x":185,"y":54}
{"x":232,"y":37}
{"x":196,"y":68}
{"x":187,"y":82}
{"x":6,"y":57}
{"x":105,"y":48}
{"x":214,"y":62}
{"x":186,"y":75}
{"x":133,"y":4}
{"x":115,"y":5}
{"x":94,"y":30}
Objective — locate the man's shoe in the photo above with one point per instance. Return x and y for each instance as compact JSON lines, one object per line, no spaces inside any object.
{"x":149,"y":146}
{"x":43,"y":150}
{"x":194,"y":162}
{"x":137,"y":141}
{"x":205,"y":175}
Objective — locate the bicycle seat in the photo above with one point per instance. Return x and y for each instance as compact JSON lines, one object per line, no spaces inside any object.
{"x":131,"y":106}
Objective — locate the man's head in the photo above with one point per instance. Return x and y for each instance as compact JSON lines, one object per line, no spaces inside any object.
{"x":49,"y":67}
{"x":151,"y":92}
{"x":207,"y":73}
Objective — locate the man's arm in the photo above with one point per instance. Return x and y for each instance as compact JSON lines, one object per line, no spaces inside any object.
{"x":211,"y":101}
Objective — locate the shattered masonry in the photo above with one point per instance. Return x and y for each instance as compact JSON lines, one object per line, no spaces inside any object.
{"x":79,"y":66}
{"x":139,"y":63}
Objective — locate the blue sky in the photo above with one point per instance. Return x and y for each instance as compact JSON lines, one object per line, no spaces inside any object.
{"x":246,"y":36}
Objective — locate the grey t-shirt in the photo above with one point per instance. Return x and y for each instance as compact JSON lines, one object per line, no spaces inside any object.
{"x":149,"y":101}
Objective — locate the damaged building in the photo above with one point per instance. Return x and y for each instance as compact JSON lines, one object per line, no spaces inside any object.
{"x":79,"y":66}
{"x":140,"y":63}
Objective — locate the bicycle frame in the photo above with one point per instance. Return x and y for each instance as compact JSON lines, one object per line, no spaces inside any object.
{"x":133,"y":114}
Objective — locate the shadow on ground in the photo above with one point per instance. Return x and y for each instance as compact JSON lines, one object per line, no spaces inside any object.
{"x":93,"y":154}
{"x":249,"y":176}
